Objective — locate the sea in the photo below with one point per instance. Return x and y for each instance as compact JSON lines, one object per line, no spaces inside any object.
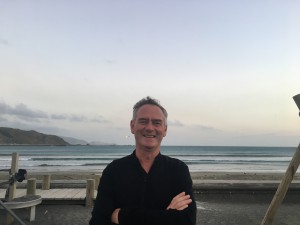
{"x":198,"y":158}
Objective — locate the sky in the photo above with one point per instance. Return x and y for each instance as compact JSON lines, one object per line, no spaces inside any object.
{"x":226,"y":71}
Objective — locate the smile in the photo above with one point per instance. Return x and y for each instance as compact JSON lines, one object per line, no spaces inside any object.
{"x":149,"y":136}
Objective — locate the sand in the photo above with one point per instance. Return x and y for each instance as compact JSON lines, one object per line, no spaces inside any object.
{"x":214,"y":207}
{"x":83,"y":175}
{"x":229,"y":211}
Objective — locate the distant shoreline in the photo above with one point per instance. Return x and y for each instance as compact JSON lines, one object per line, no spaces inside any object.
{"x":53,"y":145}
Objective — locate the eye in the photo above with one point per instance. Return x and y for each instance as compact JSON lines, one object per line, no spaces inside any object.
{"x":157,"y":122}
{"x":143,"y":122}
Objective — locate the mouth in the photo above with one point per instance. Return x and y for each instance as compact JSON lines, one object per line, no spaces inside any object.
{"x":149,"y":136}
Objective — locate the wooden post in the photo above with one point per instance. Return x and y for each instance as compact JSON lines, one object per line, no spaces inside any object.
{"x":46,"y":182}
{"x":97,"y":180}
{"x":282,"y":189}
{"x":12,"y":187}
{"x":32,"y":213}
{"x":31,"y":186}
{"x":31,"y":190}
{"x":13,"y":170}
{"x":90,"y":190}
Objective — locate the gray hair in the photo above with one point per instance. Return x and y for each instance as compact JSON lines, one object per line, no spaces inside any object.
{"x":149,"y":101}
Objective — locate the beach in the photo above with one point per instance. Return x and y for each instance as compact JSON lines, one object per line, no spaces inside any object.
{"x":222,"y":198}
{"x":208,"y":213}
{"x":201,"y":175}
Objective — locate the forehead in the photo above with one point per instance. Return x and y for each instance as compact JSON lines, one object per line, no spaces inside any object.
{"x":150,"y":111}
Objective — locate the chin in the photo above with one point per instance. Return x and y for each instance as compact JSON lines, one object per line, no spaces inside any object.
{"x":150,"y":148}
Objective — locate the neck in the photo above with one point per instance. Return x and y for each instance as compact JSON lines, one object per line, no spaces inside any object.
{"x":146,"y":158}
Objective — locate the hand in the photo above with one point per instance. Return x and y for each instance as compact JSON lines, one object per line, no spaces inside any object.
{"x":180,"y":201}
{"x":115,"y":216}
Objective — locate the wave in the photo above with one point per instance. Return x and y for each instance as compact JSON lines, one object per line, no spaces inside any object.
{"x":85,"y":164}
{"x":71,"y":158}
{"x":235,"y":162}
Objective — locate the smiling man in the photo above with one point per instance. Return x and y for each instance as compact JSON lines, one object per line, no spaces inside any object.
{"x":146,"y":187}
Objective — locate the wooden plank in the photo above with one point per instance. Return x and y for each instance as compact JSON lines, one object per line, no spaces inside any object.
{"x":54,"y":194}
{"x":20,"y":193}
{"x":74,"y":193}
{"x":80,"y":195}
{"x":64,"y":194}
{"x":47,"y":194}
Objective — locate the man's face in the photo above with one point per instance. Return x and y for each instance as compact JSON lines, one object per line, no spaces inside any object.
{"x":149,"y":127}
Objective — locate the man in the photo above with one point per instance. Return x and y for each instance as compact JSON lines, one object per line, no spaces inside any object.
{"x":146,"y":187}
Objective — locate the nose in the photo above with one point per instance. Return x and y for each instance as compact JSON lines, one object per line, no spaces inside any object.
{"x":149,"y":126}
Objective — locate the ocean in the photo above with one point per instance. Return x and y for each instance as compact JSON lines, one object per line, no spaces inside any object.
{"x":198,"y":158}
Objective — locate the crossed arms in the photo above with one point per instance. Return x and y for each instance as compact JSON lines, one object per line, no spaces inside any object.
{"x":179,"y":202}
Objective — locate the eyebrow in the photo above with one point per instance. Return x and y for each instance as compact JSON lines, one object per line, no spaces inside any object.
{"x":153,"y":120}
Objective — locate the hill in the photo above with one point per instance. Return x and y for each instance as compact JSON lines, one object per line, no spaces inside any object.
{"x":74,"y":141}
{"x":11,"y":136}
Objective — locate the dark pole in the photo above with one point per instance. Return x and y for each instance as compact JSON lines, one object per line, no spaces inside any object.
{"x":297,"y":101}
{"x":286,"y":180}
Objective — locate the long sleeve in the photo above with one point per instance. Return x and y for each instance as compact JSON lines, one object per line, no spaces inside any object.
{"x":143,"y":197}
{"x":104,"y":204}
{"x":142,"y":216}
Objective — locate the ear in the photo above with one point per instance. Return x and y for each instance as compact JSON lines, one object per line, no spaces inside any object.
{"x":132,"y":127}
{"x":165,"y":133}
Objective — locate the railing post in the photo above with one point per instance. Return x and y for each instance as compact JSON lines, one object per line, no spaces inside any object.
{"x":46,"y":182}
{"x":31,"y":186}
{"x":97,"y":180}
{"x":90,"y":190}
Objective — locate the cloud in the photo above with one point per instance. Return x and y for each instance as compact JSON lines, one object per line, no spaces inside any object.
{"x":78,"y":118}
{"x":59,"y":116}
{"x":40,"y":127}
{"x":23,"y":112}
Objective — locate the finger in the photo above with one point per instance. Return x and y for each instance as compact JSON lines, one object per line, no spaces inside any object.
{"x":176,"y":199}
{"x":180,"y":204}
{"x":179,"y":195}
{"x":183,"y":207}
{"x":179,"y":201}
{"x":182,"y":198}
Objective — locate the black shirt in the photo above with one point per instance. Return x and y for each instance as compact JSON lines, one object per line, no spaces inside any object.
{"x":144,"y":197}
